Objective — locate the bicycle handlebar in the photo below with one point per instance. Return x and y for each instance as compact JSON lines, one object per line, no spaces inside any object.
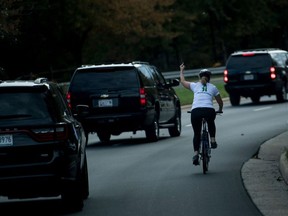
{"x":217,"y":112}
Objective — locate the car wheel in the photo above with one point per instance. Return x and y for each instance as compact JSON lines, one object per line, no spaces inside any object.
{"x":255,"y":99}
{"x":152,"y":132}
{"x":234,"y":99}
{"x":76,"y":192}
{"x":176,"y":130}
{"x":104,"y":136}
{"x":72,"y":195}
{"x":85,"y":180}
{"x":281,"y":95}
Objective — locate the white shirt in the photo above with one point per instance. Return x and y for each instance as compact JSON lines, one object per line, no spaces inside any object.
{"x":203,"y":95}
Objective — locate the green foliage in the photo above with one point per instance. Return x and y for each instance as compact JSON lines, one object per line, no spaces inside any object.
{"x":9,"y":24}
{"x":47,"y":36}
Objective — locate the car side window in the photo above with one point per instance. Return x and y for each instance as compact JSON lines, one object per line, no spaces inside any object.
{"x":146,"y":76}
{"x":285,"y":59}
{"x":158,"y":76}
{"x":60,"y":102}
{"x":279,"y":59}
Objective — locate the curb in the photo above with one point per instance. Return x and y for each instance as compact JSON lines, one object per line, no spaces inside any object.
{"x":265,"y":177}
{"x":283,"y":164}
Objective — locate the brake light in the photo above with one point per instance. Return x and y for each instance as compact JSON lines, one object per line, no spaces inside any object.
{"x":51,"y":134}
{"x":225,"y":76}
{"x":68,"y":98}
{"x":143,"y":100}
{"x":248,"y":54}
{"x":272,"y":73}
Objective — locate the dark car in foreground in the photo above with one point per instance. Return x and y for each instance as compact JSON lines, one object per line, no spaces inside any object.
{"x":42,"y":146}
{"x":256,"y":72}
{"x":116,"y":98}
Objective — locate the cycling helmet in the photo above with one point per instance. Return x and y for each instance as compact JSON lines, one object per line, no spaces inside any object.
{"x":206,"y":73}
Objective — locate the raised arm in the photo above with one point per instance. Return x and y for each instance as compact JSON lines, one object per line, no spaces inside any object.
{"x":185,"y":83}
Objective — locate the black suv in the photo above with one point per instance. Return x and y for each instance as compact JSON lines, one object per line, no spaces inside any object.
{"x":117,"y":98}
{"x":255,"y":73}
{"x":42,"y":146}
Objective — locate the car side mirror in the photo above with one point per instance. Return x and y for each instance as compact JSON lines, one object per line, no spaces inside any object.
{"x":82,"y":110}
{"x":173,"y":82}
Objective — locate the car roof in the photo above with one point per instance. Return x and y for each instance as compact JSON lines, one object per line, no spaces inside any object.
{"x":132,"y":64}
{"x":259,"y":51}
{"x":25,"y":83}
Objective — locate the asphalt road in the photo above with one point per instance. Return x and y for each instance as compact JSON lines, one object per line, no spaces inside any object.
{"x":132,"y":177}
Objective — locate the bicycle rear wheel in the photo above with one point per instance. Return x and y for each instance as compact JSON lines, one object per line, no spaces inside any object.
{"x":205,"y":149}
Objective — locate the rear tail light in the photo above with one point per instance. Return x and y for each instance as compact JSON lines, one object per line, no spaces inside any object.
{"x":272,"y":73}
{"x":51,"y":133}
{"x":143,"y":100}
{"x":68,"y":98}
{"x":248,"y":54}
{"x":225,"y":78}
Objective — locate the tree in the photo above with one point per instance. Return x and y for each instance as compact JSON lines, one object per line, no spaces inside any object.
{"x":225,"y":25}
{"x":9,"y":18}
{"x":59,"y":35}
{"x":65,"y":34}
{"x":126,"y":27}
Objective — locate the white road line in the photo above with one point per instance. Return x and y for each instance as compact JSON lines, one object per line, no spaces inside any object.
{"x":263,"y":108}
{"x":189,"y":125}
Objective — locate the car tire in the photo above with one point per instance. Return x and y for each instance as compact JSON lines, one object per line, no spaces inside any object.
{"x":152,"y":132}
{"x":281,"y":95}
{"x":85,"y":180}
{"x":176,"y":130}
{"x":76,"y":192}
{"x":255,"y":99}
{"x":234,"y":99}
{"x":104,"y":136}
{"x":72,"y":195}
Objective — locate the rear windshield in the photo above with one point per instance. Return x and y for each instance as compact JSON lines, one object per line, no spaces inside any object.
{"x":256,"y":61}
{"x":23,"y":106}
{"x":119,"y":78}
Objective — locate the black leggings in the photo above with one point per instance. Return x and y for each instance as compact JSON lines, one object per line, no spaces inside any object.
{"x":196,"y":120}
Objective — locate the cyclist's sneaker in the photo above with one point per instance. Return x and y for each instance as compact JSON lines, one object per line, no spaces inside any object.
{"x":213,"y":145}
{"x":196,"y":160}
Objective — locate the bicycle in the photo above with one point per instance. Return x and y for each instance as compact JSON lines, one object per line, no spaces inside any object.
{"x":205,"y":150}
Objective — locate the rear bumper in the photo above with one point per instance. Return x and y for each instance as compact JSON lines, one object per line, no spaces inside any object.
{"x":25,"y":180}
{"x":252,"y":90}
{"x":118,"y":122}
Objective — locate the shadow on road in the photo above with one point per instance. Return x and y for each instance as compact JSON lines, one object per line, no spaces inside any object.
{"x":123,"y":142}
{"x":33,"y":207}
{"x":260,"y":103}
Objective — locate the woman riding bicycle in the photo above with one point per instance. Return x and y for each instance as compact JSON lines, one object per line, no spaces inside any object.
{"x":202,"y":107}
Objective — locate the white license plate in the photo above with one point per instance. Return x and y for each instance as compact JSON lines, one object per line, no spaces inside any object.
{"x":6,"y":140}
{"x":105,"y":103}
{"x":249,"y":77}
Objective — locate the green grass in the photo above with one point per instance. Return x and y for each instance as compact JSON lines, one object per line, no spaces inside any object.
{"x":186,"y":96}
